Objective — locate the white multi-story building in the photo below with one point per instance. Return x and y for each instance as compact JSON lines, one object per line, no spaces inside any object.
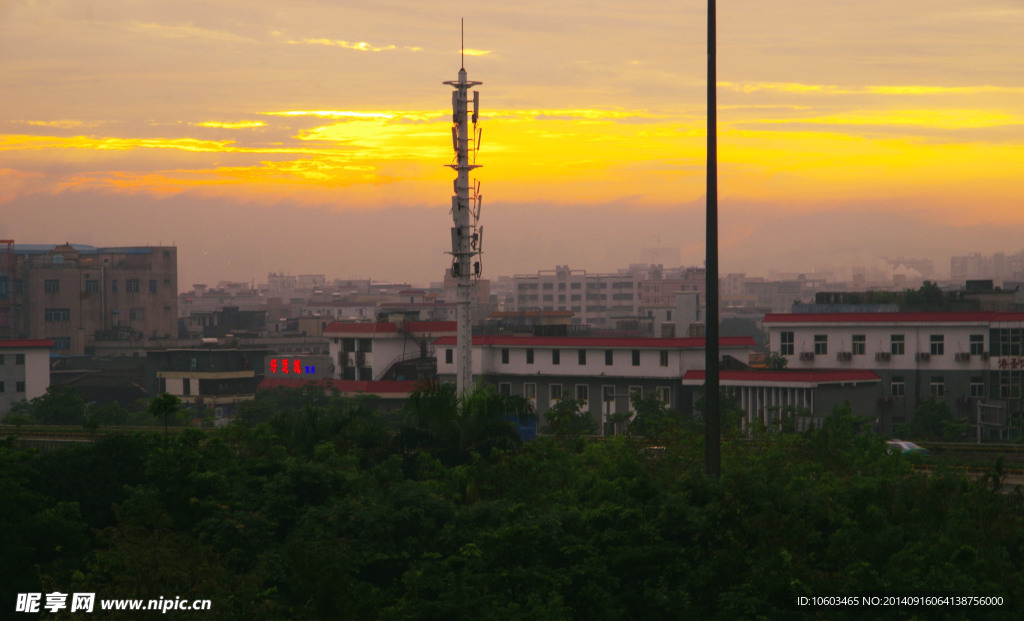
{"x":374,"y":351}
{"x":966,"y":358}
{"x":601,"y":372}
{"x":24,"y":370}
{"x":594,"y":299}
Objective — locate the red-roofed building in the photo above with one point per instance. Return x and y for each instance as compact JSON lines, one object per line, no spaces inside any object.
{"x":801,"y":398}
{"x":972,"y":360}
{"x":24,"y":370}
{"x":601,"y":372}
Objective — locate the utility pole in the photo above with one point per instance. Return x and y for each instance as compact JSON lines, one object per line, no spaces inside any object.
{"x":712,"y":416}
{"x":466,"y":235}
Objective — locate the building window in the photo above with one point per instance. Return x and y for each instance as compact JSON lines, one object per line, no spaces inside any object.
{"x":113,"y":286}
{"x":977,"y":386}
{"x":152,"y":286}
{"x":786,"y":343}
{"x":1,"y":387}
{"x":1005,"y":341}
{"x":505,"y":389}
{"x":608,"y":398}
{"x":19,"y":358}
{"x":137,"y":314}
{"x":19,"y":285}
{"x":504,"y":356}
{"x":581,"y":356}
{"x":663,"y":358}
{"x":19,"y":386}
{"x":449,"y":356}
{"x":555,"y":392}
{"x":859,"y":344}
{"x":937,"y":386}
{"x":609,"y":356}
{"x":131,"y":285}
{"x":636,"y":357}
{"x":2,"y":360}
{"x":896,"y":345}
{"x":1009,"y":384}
{"x":582,"y":394}
{"x":938,"y":344}
{"x":530,"y":393}
{"x":635,"y":392}
{"x":92,"y":285}
{"x":665,"y":395}
{"x":556,"y":356}
{"x":529,"y":356}
{"x":5,"y":288}
{"x":898,"y":386}
{"x":61,"y":343}
{"x":57,"y":314}
{"x":51,"y":285}
{"x":977,"y":344}
{"x":820,"y":344}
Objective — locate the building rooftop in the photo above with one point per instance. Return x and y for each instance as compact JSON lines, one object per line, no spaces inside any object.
{"x":903,"y":317}
{"x":25,"y":343}
{"x":599,"y":341}
{"x":385,"y":327}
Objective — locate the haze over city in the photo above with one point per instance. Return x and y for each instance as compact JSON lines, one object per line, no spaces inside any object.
{"x":313,"y":137}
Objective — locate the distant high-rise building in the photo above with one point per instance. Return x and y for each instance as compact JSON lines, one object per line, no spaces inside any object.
{"x":75,"y":295}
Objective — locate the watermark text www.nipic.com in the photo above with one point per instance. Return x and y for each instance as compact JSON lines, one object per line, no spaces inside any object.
{"x":86,"y":602}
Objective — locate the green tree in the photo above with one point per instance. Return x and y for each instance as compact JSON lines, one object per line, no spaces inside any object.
{"x":739,"y":326}
{"x":653,"y":417}
{"x":567,"y":420}
{"x":934,"y":420}
{"x":927,"y":298}
{"x":165,"y":407}
{"x":60,"y":405}
{"x":479,"y":421}
{"x":776,"y":361}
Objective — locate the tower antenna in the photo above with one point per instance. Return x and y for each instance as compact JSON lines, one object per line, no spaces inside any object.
{"x":467,"y":235}
{"x":462,"y":35}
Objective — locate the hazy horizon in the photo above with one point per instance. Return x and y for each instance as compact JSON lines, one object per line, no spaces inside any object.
{"x":314,"y":139}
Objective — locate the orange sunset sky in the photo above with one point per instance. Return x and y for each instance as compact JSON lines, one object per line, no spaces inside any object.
{"x":310,"y":136}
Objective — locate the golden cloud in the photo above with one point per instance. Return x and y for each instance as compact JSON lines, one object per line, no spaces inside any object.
{"x":359,"y":46}
{"x":237,"y":125}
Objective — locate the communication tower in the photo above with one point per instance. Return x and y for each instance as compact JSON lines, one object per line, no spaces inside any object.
{"x":467,"y":235}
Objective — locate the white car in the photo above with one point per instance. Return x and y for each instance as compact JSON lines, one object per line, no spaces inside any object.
{"x":904,"y":447}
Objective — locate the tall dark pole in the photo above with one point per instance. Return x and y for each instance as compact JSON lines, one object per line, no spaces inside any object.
{"x":712,"y":418}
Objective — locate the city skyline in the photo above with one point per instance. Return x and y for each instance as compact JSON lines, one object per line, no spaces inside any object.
{"x":314,"y":140}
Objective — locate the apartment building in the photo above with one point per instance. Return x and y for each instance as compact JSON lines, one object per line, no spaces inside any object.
{"x":598,"y":300}
{"x":973,"y":360}
{"x":75,"y":295}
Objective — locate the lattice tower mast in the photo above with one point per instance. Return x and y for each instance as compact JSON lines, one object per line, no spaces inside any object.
{"x":466,"y":234}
